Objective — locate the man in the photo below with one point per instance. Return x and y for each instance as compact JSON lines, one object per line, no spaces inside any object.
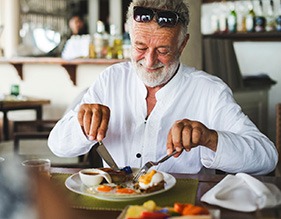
{"x":153,"y":105}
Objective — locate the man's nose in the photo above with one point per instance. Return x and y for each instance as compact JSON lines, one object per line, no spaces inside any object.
{"x":151,"y":58}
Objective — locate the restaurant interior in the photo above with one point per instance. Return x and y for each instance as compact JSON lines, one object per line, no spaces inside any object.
{"x":40,"y":82}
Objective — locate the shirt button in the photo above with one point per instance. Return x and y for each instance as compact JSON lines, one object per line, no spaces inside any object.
{"x":138,"y":155}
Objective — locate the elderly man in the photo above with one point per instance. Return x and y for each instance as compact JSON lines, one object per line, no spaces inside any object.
{"x":153,"y":105}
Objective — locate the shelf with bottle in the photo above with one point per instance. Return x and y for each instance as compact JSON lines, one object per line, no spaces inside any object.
{"x":251,"y":36}
{"x":99,"y":45}
{"x":110,"y":45}
{"x":240,"y":17}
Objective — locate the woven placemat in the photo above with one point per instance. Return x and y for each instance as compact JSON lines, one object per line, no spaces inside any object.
{"x":184,"y":191}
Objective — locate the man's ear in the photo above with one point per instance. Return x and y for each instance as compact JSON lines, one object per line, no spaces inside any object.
{"x":184,"y":43}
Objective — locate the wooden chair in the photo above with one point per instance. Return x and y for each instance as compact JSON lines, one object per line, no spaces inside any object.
{"x":31,"y":129}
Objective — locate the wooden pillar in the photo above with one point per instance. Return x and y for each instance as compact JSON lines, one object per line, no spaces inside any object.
{"x":93,"y":15}
{"x":115,"y":14}
{"x":11,"y":27}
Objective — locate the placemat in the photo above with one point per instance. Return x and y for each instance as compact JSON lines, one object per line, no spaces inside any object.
{"x":184,"y":191}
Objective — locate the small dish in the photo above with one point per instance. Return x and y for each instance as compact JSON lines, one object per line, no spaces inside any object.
{"x":93,"y":177}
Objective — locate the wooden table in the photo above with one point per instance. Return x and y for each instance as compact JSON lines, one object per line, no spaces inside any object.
{"x":206,"y":182}
{"x":28,"y":103}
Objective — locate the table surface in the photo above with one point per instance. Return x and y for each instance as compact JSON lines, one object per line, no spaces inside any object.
{"x":10,"y":103}
{"x":206,"y":182}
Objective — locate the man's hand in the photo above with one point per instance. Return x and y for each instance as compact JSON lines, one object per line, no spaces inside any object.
{"x":94,"y":119}
{"x":187,"y":134}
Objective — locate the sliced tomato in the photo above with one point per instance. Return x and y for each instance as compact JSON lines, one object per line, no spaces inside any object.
{"x":153,"y":215}
{"x":194,"y":210}
{"x":178,"y":207}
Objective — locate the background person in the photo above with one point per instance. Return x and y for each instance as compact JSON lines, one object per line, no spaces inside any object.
{"x":77,"y":25}
{"x":75,"y":45}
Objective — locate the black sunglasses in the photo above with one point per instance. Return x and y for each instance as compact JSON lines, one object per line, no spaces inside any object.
{"x":163,"y":18}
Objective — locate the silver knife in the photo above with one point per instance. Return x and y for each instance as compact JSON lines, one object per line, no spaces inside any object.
{"x":105,"y":155}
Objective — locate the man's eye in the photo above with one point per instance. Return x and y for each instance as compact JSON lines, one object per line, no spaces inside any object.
{"x":141,"y":48}
{"x":163,"y":51}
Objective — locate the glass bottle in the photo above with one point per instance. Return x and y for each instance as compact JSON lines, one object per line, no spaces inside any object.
{"x":250,"y":18}
{"x":115,"y":44}
{"x":232,"y":19}
{"x":278,"y":19}
{"x":126,"y":42}
{"x":92,"y":52}
{"x":15,"y":90}
{"x":242,"y":12}
{"x":260,"y":21}
{"x":270,"y":20}
{"x":100,"y":40}
{"x":223,"y":10}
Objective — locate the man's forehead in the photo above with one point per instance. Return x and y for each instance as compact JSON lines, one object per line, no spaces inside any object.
{"x":152,"y":28}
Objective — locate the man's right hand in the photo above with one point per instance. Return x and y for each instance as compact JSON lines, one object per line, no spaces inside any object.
{"x":94,"y":119}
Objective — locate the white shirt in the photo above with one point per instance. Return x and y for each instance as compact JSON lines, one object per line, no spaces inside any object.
{"x":190,"y":94}
{"x":76,"y":47}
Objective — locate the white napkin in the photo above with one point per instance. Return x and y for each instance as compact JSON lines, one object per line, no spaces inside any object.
{"x":242,"y":192}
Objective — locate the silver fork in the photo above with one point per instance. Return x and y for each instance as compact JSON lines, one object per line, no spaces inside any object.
{"x":149,"y":164}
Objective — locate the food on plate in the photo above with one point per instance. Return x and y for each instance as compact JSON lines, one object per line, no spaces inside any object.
{"x":115,"y":189}
{"x":125,"y":191}
{"x":150,"y":182}
{"x":105,"y":188}
{"x":189,"y":209}
{"x":119,"y":176}
{"x":109,"y":181}
{"x":150,"y":209}
{"x":122,"y":183}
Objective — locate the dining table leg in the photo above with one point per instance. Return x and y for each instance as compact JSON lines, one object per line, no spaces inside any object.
{"x":5,"y":126}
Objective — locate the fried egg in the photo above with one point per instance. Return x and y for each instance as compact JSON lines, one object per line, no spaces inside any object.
{"x":150,"y":179}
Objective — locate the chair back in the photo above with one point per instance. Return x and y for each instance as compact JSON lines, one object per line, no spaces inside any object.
{"x":278,"y":128}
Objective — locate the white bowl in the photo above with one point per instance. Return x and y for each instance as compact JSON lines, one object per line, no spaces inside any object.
{"x":93,"y":177}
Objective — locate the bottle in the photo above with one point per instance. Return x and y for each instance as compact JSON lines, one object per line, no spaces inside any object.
{"x":270,"y":20}
{"x":126,"y":42}
{"x":241,"y":18}
{"x":278,"y":20}
{"x":115,"y":49}
{"x":250,"y":19}
{"x":260,"y":21}
{"x":223,"y":11}
{"x":118,"y":45}
{"x":92,"y":53}
{"x":100,"y":41}
{"x":15,"y":90}
{"x":232,"y":20}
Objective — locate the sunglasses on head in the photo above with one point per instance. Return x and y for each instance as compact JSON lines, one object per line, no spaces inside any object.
{"x":163,"y":18}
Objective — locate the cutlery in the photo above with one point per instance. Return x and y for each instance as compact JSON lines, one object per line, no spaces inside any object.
{"x":149,"y":164}
{"x":105,"y":155}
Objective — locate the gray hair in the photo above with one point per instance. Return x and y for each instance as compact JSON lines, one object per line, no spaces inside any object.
{"x":178,"y":6}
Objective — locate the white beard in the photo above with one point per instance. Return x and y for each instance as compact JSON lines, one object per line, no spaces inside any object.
{"x":158,"y":77}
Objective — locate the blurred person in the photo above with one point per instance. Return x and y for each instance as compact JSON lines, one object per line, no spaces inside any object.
{"x":77,"y":25}
{"x":23,"y":195}
{"x":77,"y":43}
{"x":154,"y":104}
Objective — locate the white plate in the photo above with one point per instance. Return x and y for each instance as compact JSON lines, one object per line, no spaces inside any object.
{"x":74,"y":184}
